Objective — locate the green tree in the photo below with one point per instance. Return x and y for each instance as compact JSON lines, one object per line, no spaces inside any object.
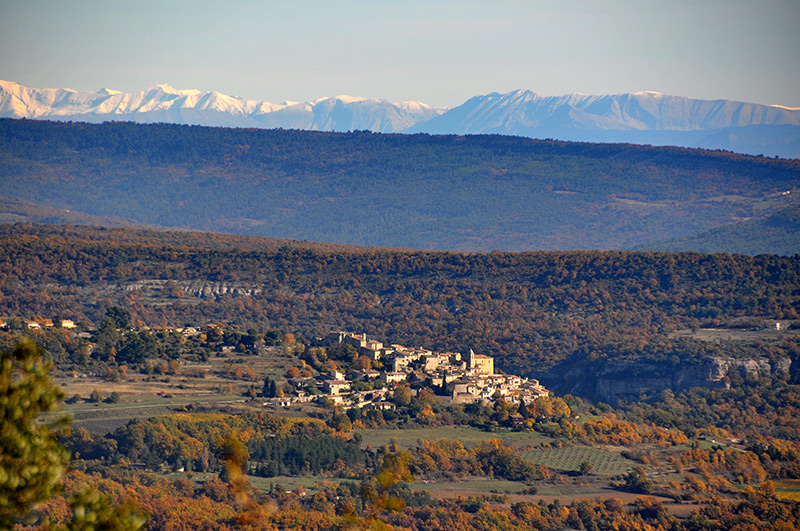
{"x":138,"y":347}
{"x":270,"y":388}
{"x":106,"y":340}
{"x":251,"y":339}
{"x":636,"y":481}
{"x":120,"y":316}
{"x":31,"y":461}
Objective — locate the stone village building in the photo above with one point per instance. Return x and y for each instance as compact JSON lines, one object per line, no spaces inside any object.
{"x":473,"y":376}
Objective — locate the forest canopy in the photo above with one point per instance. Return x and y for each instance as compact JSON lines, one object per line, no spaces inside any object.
{"x":532,"y":311}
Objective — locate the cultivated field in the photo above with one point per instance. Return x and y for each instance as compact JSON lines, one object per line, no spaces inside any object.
{"x":788,"y":489}
{"x":408,"y":438}
{"x":605,"y":461}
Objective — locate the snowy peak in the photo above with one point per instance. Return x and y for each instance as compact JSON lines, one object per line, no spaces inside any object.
{"x":165,"y":103}
{"x":341,"y":99}
{"x":640,"y":117}
{"x":517,"y":111}
{"x":166,"y":88}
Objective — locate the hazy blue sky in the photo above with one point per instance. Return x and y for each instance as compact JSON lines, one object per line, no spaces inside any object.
{"x":436,"y":51}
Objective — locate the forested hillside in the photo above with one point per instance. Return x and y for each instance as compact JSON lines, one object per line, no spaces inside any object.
{"x":703,"y":385}
{"x":777,"y":234}
{"x":473,"y":193}
{"x":530,"y":310}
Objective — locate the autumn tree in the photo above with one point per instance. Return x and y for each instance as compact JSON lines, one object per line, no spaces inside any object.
{"x":402,"y":395}
{"x":392,"y":470}
{"x":235,"y":456}
{"x":96,"y":396}
{"x":93,"y":511}
{"x":362,"y":363}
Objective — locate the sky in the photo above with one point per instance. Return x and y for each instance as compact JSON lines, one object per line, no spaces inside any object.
{"x":440,"y":52}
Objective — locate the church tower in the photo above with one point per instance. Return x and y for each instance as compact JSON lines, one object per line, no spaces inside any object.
{"x":471,"y":359}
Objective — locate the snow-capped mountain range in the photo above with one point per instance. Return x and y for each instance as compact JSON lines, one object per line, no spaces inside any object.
{"x":640,"y":118}
{"x":163,"y":103}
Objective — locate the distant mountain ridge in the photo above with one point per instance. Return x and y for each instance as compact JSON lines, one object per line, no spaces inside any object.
{"x":637,"y":118}
{"x":163,"y":103}
{"x":525,"y":111}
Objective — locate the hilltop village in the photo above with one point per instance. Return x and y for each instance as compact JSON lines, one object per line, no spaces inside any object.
{"x":464,"y":378}
{"x":472,"y":377}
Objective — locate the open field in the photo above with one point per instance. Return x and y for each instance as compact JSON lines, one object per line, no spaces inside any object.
{"x":221,"y":382}
{"x":102,"y":417}
{"x":262,"y":484}
{"x":290,"y":482}
{"x":232,"y":373}
{"x":470,"y":487}
{"x":607,"y":461}
{"x":482,"y":486}
{"x":487,"y":485}
{"x":565,"y":495}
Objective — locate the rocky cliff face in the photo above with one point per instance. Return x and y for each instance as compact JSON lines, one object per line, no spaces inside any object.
{"x":198,"y":288}
{"x":612,"y":380}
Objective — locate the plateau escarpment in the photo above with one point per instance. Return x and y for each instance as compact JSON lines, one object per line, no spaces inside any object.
{"x":202,"y":289}
{"x":613,"y":381}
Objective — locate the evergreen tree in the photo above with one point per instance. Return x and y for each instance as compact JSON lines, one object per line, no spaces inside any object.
{"x":523,"y":410}
{"x":106,"y":340}
{"x":31,"y":459}
{"x":120,"y":316}
{"x":270,"y":388}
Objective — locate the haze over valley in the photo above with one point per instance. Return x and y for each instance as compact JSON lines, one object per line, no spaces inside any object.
{"x":467,"y":193}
